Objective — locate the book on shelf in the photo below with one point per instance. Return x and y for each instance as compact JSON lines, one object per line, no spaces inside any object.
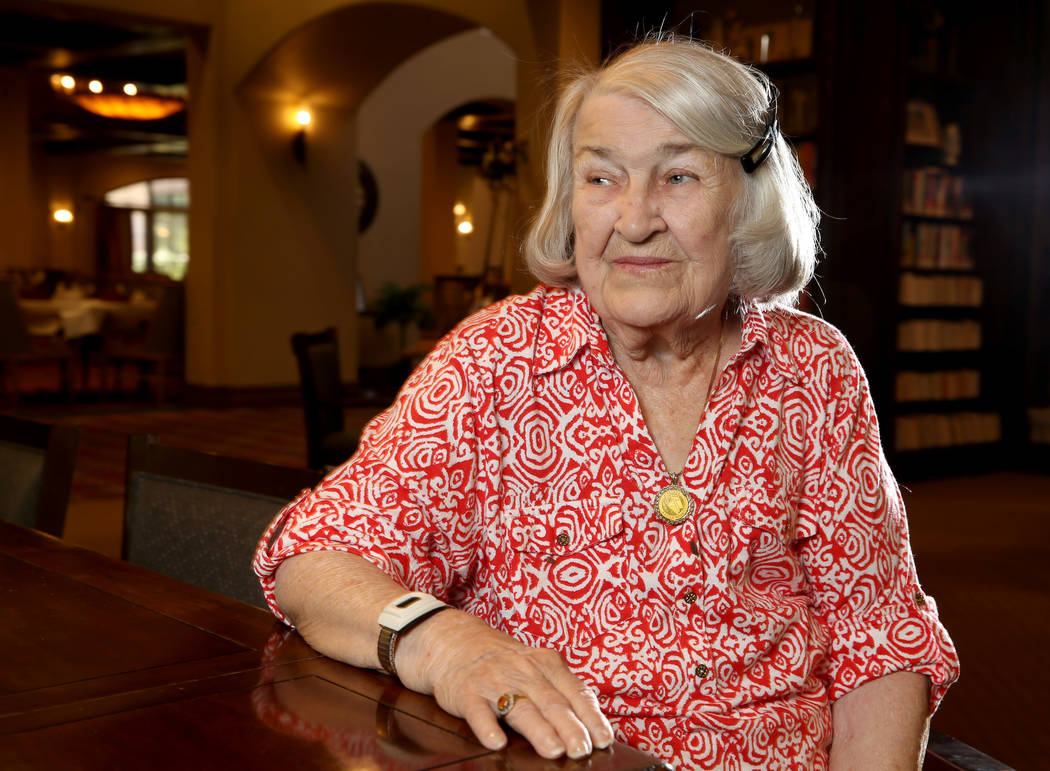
{"x":928,"y":335}
{"x":930,"y":191}
{"x":1039,"y":425}
{"x":961,"y":291}
{"x":798,"y":105}
{"x":931,"y":431}
{"x":923,"y":125}
{"x":783,"y":40}
{"x":936,"y":246}
{"x":943,"y":385}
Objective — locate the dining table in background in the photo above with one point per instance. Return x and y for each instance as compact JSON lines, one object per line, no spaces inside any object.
{"x":106,"y":665}
{"x":75,"y":317}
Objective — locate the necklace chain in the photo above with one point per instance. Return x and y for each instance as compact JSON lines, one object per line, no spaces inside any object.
{"x":710,"y":385}
{"x":673,"y":504}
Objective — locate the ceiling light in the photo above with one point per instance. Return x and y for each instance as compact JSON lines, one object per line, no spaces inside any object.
{"x":465,"y":227}
{"x":303,"y":117}
{"x":459,"y":210}
{"x":64,"y":216}
{"x":153,"y":103}
{"x":145,"y":107}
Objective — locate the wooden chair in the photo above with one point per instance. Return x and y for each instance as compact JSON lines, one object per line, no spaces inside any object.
{"x":36,"y":472}
{"x":18,"y":347}
{"x":160,"y":349}
{"x":197,"y":516}
{"x":945,"y":753}
{"x":328,"y":443}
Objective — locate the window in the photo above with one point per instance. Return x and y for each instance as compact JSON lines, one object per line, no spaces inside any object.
{"x":158,"y":210}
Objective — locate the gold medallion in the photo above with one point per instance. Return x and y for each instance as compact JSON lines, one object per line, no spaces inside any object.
{"x":673,"y":504}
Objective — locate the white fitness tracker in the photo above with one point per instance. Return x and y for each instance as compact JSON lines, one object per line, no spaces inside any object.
{"x":400,"y":616}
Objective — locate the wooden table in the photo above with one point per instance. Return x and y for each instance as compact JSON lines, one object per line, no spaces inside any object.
{"x":105,"y":665}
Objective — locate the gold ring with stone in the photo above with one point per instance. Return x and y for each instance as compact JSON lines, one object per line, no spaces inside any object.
{"x":506,"y":703}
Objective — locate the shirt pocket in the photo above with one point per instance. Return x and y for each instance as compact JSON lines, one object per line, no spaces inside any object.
{"x":562,"y":571}
{"x":763,"y":533}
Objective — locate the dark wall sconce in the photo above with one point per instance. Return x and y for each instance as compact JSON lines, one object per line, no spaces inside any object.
{"x":303,"y":118}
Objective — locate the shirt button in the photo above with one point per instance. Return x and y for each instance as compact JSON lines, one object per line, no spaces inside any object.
{"x":701,"y":671}
{"x":551,"y":559}
{"x":920,"y":599}
{"x":563,"y":539}
{"x":690,"y":597}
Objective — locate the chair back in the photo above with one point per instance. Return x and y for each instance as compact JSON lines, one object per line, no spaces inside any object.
{"x":36,"y":472}
{"x":164,"y":334}
{"x":197,"y":516}
{"x":321,"y":387}
{"x":14,"y":338}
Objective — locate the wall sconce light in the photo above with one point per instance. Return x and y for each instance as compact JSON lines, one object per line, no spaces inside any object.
{"x":466,"y":227}
{"x":303,"y":118}
{"x":62,"y":216}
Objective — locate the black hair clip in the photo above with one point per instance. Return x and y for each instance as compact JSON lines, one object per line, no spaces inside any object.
{"x":753,"y":158}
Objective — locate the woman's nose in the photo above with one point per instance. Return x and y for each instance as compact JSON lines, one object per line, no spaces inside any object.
{"x":639,"y":214}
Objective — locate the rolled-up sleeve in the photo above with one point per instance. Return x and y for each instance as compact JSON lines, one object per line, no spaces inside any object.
{"x":405,"y":501}
{"x":858,"y":558}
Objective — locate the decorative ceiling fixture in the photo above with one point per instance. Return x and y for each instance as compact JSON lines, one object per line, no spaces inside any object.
{"x":128,"y":101}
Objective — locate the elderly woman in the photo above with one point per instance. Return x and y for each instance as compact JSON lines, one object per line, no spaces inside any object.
{"x":648,"y":500}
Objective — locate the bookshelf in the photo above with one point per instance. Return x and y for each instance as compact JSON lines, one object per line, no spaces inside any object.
{"x":942,"y":412}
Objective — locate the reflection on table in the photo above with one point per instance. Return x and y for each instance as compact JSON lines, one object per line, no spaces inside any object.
{"x":107,"y":665}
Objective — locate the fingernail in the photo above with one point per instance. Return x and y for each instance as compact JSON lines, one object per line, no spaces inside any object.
{"x":555,"y":749}
{"x":579,"y":751}
{"x":603,"y":740}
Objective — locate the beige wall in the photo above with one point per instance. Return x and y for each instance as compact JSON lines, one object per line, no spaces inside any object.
{"x":391,"y":122}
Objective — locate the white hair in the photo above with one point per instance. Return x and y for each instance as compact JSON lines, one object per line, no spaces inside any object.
{"x":723,"y":106}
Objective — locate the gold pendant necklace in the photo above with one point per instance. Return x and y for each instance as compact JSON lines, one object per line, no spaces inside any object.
{"x":673,"y":504}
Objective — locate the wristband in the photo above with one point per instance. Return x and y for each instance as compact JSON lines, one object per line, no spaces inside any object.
{"x":398,"y":617}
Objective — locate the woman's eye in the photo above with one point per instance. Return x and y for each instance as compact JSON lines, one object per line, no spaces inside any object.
{"x":596,"y":180}
{"x":678,"y":179}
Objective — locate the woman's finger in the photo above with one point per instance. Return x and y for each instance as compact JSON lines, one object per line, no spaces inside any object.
{"x":528,"y":720}
{"x":576,"y":699}
{"x":482,"y":721}
{"x":584,"y":705}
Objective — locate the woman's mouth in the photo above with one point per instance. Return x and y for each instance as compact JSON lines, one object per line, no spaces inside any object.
{"x":640,"y":262}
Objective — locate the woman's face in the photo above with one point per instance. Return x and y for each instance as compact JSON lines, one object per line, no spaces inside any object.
{"x":651,"y":215}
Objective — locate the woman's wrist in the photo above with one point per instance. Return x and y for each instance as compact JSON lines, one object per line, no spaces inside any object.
{"x":421,"y":656}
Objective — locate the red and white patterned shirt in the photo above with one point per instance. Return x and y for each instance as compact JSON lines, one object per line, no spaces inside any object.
{"x":514,"y":477}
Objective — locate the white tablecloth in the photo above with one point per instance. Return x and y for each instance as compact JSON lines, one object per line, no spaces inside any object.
{"x":77,"y":317}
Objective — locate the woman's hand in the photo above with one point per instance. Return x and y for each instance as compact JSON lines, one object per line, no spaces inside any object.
{"x":467,"y":665}
{"x":334,"y":599}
